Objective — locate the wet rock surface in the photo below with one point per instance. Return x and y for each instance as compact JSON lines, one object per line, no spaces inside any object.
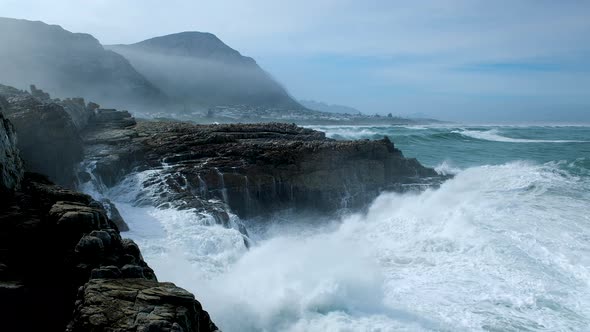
{"x":54,"y":241}
{"x":253,"y":168}
{"x":11,"y":165}
{"x":137,"y":305}
{"x":48,"y":138}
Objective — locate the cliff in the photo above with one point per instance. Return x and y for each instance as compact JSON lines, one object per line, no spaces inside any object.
{"x":11,"y":165}
{"x":63,"y":263}
{"x":198,"y":69}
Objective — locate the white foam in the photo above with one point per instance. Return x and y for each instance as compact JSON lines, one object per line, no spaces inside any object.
{"x":496,"y":248}
{"x":494,"y":136}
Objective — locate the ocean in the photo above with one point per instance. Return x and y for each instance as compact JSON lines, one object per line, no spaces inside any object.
{"x":502,"y":246}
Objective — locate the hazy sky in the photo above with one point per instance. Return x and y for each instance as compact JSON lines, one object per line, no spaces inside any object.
{"x":489,"y":60}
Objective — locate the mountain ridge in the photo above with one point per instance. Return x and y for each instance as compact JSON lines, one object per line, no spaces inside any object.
{"x":198,"y":69}
{"x":67,"y":63}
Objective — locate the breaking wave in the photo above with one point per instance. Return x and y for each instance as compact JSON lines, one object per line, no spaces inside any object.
{"x":497,"y":248}
{"x":494,"y":135}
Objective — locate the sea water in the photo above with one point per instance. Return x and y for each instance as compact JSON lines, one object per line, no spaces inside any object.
{"x":503,"y":246}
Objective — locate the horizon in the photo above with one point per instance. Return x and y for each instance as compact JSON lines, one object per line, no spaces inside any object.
{"x":453,"y":61}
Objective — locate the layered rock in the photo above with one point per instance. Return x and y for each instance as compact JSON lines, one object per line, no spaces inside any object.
{"x":48,"y":139}
{"x":137,"y":305}
{"x":253,"y":168}
{"x":54,"y":241}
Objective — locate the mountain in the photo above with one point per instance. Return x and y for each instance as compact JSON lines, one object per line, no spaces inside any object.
{"x":70,"y":64}
{"x":198,"y":69}
{"x":323,"y":107}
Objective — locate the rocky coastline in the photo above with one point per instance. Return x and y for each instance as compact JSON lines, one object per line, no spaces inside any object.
{"x":62,"y":258}
{"x":254,"y":169}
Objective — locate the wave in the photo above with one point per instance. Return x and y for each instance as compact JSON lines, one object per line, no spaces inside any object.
{"x":495,"y":248}
{"x":493,"y":135}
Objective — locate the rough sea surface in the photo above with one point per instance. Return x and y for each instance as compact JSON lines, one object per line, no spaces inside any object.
{"x":503,"y":246}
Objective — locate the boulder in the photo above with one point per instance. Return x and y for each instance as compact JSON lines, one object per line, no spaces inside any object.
{"x":54,"y":241}
{"x":127,"y":305}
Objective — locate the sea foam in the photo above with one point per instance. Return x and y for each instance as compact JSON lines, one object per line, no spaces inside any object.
{"x":495,"y":248}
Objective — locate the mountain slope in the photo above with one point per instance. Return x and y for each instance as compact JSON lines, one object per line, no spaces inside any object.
{"x":196,"y":68}
{"x":70,"y":64}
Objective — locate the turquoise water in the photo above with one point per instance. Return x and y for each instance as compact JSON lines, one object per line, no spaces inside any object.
{"x":465,"y":146}
{"x":502,"y":246}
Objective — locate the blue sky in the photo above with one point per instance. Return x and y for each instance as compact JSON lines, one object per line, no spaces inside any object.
{"x":469,"y":60}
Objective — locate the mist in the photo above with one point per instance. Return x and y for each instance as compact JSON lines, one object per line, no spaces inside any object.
{"x":69,"y":64}
{"x":195,"y":82}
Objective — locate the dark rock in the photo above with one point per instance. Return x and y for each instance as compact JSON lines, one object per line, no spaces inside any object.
{"x":53,"y":241}
{"x":48,"y":139}
{"x":104,"y":236}
{"x":106,"y":272}
{"x":84,"y":177}
{"x":90,"y":246}
{"x":39,"y":94}
{"x":11,"y":165}
{"x":253,"y":168}
{"x":132,"y":271}
{"x":126,"y":305}
{"x":114,"y":214}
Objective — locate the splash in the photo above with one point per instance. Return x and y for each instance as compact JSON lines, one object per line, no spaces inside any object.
{"x":496,"y":248}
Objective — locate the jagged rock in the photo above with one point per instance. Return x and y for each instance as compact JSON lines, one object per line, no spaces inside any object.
{"x":39,"y":94}
{"x":253,"y":168}
{"x":126,"y":305}
{"x":53,"y":241}
{"x":80,"y":113}
{"x":114,"y":214}
{"x":48,"y":139}
{"x":11,"y":165}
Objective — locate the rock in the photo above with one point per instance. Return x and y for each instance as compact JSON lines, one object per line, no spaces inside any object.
{"x":132,"y":271}
{"x":114,"y":214}
{"x":11,"y":165}
{"x":90,"y":246}
{"x":53,"y":241}
{"x":48,"y":139}
{"x":80,"y":113}
{"x":84,"y":177}
{"x":254,"y":169}
{"x":137,"y":305}
{"x":39,"y":94}
{"x":106,"y":272}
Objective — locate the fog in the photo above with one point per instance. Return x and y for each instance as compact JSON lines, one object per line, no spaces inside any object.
{"x":70,"y":65}
{"x":455,"y":60}
{"x":204,"y":82}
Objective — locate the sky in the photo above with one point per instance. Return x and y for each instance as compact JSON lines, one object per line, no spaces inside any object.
{"x":470,"y":60}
